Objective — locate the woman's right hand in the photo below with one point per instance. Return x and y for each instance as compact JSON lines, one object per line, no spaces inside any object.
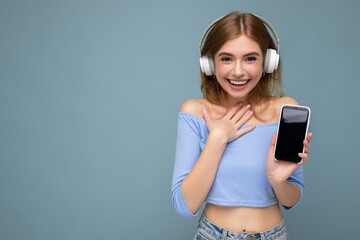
{"x":228,"y":127}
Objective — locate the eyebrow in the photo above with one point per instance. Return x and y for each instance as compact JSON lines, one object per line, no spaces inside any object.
{"x":246,"y":55}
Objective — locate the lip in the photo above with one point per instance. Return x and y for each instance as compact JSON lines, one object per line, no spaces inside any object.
{"x":238,"y":87}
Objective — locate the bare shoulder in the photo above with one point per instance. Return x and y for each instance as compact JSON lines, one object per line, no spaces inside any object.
{"x":275,"y":104}
{"x":280,"y":101}
{"x":194,"y":106}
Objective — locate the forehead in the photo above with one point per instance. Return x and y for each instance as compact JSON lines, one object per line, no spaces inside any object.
{"x":240,"y":45}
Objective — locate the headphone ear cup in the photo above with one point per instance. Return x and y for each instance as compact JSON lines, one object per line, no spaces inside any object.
{"x":207,"y":65}
{"x":271,"y":60}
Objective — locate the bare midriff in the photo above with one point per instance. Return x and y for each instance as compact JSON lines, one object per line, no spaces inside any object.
{"x":244,"y":219}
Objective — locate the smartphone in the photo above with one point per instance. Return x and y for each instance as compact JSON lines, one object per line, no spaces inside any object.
{"x":292,"y":130}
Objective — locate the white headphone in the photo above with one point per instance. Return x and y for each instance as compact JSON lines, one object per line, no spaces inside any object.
{"x":271,"y":58}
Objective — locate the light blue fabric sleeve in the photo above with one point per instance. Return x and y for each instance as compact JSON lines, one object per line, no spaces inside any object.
{"x":298,"y":178}
{"x":187,"y":152}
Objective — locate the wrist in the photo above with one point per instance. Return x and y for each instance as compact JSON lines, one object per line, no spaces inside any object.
{"x":218,"y":137}
{"x":277,"y":183}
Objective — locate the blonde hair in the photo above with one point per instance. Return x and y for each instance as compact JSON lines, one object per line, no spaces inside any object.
{"x":229,"y":27}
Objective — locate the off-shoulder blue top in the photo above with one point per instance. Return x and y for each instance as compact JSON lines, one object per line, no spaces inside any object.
{"x":241,"y":177}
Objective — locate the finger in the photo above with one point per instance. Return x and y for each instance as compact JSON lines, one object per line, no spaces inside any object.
{"x":240,"y":113}
{"x":230,"y":114}
{"x":273,"y":141}
{"x":304,"y":157}
{"x":245,"y":130}
{"x":309,"y":136}
{"x":244,"y":118}
{"x":272,"y":146}
{"x":306,"y":146}
{"x":206,"y":115}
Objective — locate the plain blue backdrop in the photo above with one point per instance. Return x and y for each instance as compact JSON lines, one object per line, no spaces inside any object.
{"x":89,"y":94}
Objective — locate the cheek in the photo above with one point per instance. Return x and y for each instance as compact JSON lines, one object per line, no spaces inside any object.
{"x":221,"y":71}
{"x":256,"y":71}
{"x":219,"y":67}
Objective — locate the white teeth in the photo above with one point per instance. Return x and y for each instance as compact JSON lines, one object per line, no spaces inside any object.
{"x":239,"y":83}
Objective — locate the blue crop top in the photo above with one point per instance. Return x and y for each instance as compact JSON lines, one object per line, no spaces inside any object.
{"x":241,"y":178}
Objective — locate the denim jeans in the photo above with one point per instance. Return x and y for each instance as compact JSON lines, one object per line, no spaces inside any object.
{"x":209,"y":231}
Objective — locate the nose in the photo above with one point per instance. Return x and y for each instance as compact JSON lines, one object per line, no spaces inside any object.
{"x":238,"y":69}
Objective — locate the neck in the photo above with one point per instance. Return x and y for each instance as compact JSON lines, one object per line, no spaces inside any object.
{"x":230,"y":102}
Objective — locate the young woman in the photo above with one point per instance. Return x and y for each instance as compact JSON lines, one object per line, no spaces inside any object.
{"x":225,"y":141}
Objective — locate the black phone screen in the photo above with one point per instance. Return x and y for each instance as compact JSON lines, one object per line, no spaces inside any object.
{"x":291,"y":133}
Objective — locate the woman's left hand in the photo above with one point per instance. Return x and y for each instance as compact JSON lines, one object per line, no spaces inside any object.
{"x":280,"y":171}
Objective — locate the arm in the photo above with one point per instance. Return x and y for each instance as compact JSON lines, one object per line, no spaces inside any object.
{"x":285,"y":177}
{"x":194,"y":186}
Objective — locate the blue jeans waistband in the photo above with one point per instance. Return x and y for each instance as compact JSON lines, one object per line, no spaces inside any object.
{"x":210,"y":231}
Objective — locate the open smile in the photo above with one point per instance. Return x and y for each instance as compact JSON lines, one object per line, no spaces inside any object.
{"x":238,"y":83}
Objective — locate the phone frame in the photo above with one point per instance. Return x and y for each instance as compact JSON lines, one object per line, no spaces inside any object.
{"x":279,"y":122}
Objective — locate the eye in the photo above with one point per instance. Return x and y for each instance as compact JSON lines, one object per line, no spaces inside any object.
{"x":226,"y":59}
{"x":251,"y":59}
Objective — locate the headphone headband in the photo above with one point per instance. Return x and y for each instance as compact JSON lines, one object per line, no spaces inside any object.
{"x":272,"y":30}
{"x":263,"y":20}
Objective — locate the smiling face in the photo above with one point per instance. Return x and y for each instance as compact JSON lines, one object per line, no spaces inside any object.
{"x":242,"y":39}
{"x":238,"y":68}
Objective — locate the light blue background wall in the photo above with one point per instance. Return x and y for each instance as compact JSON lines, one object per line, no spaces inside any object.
{"x":89,"y":93}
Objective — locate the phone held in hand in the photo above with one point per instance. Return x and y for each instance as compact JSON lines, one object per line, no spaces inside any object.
{"x":292,"y":130}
